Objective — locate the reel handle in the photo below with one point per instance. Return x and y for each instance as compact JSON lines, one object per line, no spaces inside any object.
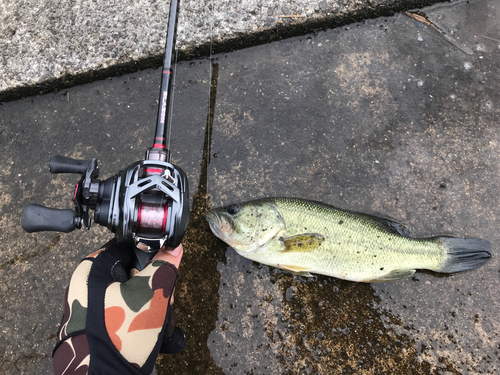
{"x":37,"y":218}
{"x":62,"y":164}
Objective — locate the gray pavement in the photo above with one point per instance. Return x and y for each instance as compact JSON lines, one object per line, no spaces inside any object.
{"x":387,"y":116}
{"x":55,"y":44}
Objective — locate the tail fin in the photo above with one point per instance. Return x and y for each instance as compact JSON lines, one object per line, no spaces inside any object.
{"x":464,"y":254}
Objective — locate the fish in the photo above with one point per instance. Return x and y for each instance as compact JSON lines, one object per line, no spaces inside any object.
{"x":305,"y":237}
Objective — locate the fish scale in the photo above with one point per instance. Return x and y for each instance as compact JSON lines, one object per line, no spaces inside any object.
{"x":307,"y":237}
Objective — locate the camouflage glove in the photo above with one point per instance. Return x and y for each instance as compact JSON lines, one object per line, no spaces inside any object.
{"x":116,"y":325}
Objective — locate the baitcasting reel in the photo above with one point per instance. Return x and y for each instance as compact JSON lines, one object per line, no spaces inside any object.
{"x":148,"y":202}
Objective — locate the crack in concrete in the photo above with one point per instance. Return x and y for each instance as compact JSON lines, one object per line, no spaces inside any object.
{"x":27,"y":358}
{"x":422,"y":18}
{"x":20,"y":258}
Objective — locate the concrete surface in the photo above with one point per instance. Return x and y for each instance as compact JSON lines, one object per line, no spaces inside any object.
{"x":59,"y":43}
{"x":388,"y":115}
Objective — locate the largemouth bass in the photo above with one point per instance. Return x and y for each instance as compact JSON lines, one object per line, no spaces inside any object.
{"x":305,"y":237}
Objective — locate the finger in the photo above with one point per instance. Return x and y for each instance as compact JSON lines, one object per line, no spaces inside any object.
{"x":171,"y":256}
{"x":133,"y":271}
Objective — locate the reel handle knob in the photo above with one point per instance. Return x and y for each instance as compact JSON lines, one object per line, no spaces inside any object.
{"x":37,"y":218}
{"x":62,"y":164}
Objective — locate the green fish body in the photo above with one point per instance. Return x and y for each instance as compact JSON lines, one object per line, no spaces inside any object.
{"x":306,"y":237}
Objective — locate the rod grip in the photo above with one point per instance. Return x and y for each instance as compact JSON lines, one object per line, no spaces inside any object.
{"x":62,"y":164}
{"x":37,"y":218}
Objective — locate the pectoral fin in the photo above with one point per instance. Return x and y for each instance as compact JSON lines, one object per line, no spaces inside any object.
{"x":296,"y":270}
{"x":391,"y":276}
{"x":302,"y":242}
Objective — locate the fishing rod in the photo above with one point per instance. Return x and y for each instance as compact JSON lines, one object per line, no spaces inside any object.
{"x":146,"y":203}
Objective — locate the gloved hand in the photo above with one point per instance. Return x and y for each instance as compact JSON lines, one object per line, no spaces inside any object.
{"x":114,"y":324}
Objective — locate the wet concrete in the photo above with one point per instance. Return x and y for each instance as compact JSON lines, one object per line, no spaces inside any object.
{"x":384,"y":116}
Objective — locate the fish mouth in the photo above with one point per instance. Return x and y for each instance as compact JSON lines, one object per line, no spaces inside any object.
{"x":214,"y":222}
{"x":219,"y":224}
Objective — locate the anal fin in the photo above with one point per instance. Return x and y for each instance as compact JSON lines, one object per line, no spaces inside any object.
{"x":391,"y":276}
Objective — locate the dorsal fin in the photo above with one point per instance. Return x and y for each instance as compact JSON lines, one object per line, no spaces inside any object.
{"x":385,"y":224}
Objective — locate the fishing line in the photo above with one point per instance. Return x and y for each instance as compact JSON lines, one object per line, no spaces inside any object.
{"x":210,"y":114}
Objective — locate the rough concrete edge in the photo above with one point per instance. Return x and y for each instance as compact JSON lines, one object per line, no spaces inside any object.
{"x":235,"y":42}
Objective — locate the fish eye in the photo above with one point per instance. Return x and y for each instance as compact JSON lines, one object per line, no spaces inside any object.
{"x":233,"y":209}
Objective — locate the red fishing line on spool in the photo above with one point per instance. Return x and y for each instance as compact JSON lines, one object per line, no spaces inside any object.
{"x":152,"y":218}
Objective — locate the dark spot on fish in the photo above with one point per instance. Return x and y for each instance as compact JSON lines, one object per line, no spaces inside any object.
{"x":341,"y":222}
{"x":374,"y":256}
{"x":442,"y":185}
{"x":382,"y":268}
{"x":434,"y":208}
